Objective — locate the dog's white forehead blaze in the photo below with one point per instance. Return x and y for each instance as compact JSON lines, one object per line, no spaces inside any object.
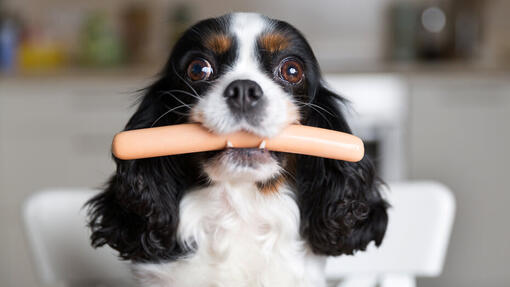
{"x":247,"y":27}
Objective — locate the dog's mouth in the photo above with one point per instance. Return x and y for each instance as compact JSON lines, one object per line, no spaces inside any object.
{"x":247,"y":156}
{"x":246,"y":164}
{"x":250,"y":157}
{"x":236,"y":163}
{"x":242,"y":156}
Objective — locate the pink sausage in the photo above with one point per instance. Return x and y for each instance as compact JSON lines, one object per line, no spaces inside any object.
{"x":189,"y":138}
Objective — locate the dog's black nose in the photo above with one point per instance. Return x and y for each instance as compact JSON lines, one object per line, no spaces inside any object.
{"x":244,"y":96}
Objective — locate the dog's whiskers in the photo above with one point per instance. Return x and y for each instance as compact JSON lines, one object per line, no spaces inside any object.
{"x":209,"y":82}
{"x":315,"y":106}
{"x":175,"y":97}
{"x":184,"y":80}
{"x":319,"y":107}
{"x":316,"y":109}
{"x":169,"y":111}
{"x":184,"y":92}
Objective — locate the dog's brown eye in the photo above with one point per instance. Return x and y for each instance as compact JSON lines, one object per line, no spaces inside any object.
{"x":199,"y":69}
{"x":291,"y":71}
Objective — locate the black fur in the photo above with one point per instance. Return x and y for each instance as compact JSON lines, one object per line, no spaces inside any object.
{"x":340,"y":202}
{"x":138,"y":211}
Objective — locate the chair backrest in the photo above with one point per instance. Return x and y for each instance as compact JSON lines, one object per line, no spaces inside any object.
{"x":420,"y":221}
{"x":421,"y":218}
{"x":55,"y":223}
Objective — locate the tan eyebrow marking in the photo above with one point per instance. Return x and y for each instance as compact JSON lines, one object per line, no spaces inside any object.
{"x":274,"y":42}
{"x":218,"y":43}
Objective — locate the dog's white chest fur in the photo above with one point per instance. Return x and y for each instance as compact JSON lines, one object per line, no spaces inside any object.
{"x":240,"y":237}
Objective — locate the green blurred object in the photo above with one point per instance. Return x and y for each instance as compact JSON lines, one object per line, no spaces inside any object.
{"x":100,"y":46}
{"x":136,"y":25}
{"x":403,"y":25}
{"x":180,"y":20}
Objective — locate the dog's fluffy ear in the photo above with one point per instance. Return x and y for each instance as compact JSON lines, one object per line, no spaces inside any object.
{"x":138,"y":211}
{"x":341,"y":206}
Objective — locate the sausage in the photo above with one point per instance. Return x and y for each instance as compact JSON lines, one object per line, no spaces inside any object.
{"x":190,"y":138}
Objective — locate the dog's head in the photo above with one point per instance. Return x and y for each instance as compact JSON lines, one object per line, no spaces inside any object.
{"x":239,"y":72}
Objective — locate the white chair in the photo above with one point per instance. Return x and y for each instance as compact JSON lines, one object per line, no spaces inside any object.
{"x":55,"y":222}
{"x":415,"y":245}
{"x":420,"y":221}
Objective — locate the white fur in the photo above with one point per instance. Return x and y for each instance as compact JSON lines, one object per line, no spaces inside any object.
{"x":224,"y":169}
{"x":212,"y":110}
{"x":237,"y":235}
{"x":242,"y":238}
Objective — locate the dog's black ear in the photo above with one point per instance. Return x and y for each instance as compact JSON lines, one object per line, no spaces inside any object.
{"x":341,"y":206}
{"x":138,"y":211}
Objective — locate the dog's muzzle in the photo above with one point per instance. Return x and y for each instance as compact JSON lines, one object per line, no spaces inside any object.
{"x":245,"y":99}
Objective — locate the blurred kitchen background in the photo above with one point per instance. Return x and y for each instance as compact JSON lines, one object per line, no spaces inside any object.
{"x":429,"y":82}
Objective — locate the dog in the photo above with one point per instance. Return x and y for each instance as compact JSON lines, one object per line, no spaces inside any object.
{"x":238,"y":217}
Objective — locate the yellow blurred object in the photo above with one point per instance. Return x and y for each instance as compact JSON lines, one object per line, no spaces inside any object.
{"x":41,"y":56}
